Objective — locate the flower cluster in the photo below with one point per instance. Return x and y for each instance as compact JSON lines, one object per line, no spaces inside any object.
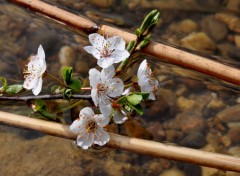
{"x":107,"y":89}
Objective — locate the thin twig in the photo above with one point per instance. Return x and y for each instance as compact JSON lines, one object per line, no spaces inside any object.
{"x":141,"y":146}
{"x":158,"y":50}
{"x":44,"y":97}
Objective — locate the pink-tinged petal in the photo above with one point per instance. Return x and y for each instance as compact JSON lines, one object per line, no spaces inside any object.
{"x":94,"y":77}
{"x":41,"y":55}
{"x":105,"y":62}
{"x":94,"y":96}
{"x":38,"y":86}
{"x":30,"y":82}
{"x":86,"y":113}
{"x":77,"y":126}
{"x":107,"y":73}
{"x":97,"y":40}
{"x":115,"y":87}
{"x":127,"y":91}
{"x":88,"y":49}
{"x":106,"y":110}
{"x":115,"y":42}
{"x":102,"y":137}
{"x":119,"y":117}
{"x":142,"y":68}
{"x":85,"y":141}
{"x":101,"y":120}
{"x":119,"y":55}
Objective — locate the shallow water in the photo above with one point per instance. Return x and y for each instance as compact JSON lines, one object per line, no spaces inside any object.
{"x":191,"y":109}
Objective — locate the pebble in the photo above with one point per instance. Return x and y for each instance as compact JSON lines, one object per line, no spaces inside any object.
{"x":214,"y":28}
{"x":234,"y":53}
{"x":187,"y":26}
{"x":234,"y":133}
{"x":237,"y":40}
{"x":185,"y":104}
{"x":230,"y":20}
{"x":191,"y":121}
{"x":230,"y":114}
{"x":82,"y":67}
{"x":198,"y":41}
{"x":156,"y":129}
{"x":207,"y":171}
{"x":67,"y":56}
{"x":193,"y":140}
{"x":173,"y":135}
{"x":172,"y":172}
{"x":233,"y":5}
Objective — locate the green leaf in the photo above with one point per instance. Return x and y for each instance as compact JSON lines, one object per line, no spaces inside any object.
{"x":138,"y":108}
{"x":3,"y":82}
{"x":134,"y":99}
{"x":151,"y":19}
{"x":67,"y":93}
{"x":144,"y":43}
{"x":130,"y":45}
{"x":47,"y":114}
{"x":13,"y":89}
{"x":75,"y":85}
{"x":127,"y":107}
{"x":39,"y":104}
{"x":144,"y":95}
{"x":67,"y":74}
{"x":122,"y":100}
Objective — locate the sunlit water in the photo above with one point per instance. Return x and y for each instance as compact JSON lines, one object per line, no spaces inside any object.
{"x":186,"y":113}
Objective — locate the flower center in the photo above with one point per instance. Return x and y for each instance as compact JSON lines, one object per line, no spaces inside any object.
{"x":91,"y":126}
{"x":101,"y":89}
{"x":33,"y":69}
{"x":105,"y":52}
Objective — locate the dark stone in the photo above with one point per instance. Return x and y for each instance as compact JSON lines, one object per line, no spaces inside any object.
{"x":234,"y":53}
{"x":193,"y":140}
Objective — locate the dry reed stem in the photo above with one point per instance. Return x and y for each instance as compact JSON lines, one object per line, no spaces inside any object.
{"x":140,"y":146}
{"x":158,"y":50}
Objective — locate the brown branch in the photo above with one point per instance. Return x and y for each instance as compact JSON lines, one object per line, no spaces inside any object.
{"x":140,"y":146}
{"x":44,"y":97}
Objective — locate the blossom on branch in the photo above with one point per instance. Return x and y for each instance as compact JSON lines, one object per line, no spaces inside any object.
{"x":104,"y":87}
{"x":107,"y":51}
{"x":35,"y":70}
{"x":89,"y":128}
{"x":146,"y":81}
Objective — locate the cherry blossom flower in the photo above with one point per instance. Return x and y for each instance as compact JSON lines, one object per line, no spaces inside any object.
{"x":105,"y":87}
{"x":89,"y":128}
{"x":146,"y":81}
{"x":107,"y":51}
{"x":34,"y":73}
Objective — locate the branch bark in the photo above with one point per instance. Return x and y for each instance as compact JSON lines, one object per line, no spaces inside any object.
{"x":140,"y":146}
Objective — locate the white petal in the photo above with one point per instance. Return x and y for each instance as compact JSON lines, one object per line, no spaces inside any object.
{"x":127,"y":91}
{"x":151,"y":96}
{"x":119,"y":117}
{"x":85,"y":141}
{"x":38,"y":86}
{"x":86,"y":112}
{"x":142,"y":68}
{"x":115,"y":87}
{"x":107,"y":73}
{"x":102,"y":137}
{"x":103,"y":100}
{"x":115,"y":42}
{"x":30,"y":82}
{"x":76,"y":126}
{"x":96,"y":53}
{"x":106,"y":110}
{"x":41,"y":55}
{"x":105,"y":62}
{"x":88,"y":49}
{"x":101,"y":120}
{"x":94,"y":77}
{"x":94,"y":96}
{"x":97,"y":40}
{"x":120,"y":55}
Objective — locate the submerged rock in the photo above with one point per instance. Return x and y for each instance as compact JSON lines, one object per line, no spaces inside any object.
{"x":230,"y":114}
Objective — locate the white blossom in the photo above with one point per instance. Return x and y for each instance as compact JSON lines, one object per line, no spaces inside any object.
{"x":146,"y":81}
{"x":107,"y":51}
{"x":35,"y":70}
{"x":104,"y":87}
{"x":89,"y":128}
